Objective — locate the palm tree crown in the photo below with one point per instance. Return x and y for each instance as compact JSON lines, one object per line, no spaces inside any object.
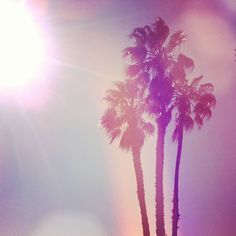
{"x":124,"y":117}
{"x":152,"y":58}
{"x":192,"y":101}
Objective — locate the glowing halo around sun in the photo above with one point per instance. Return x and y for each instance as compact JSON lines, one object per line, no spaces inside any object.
{"x":22,"y":50}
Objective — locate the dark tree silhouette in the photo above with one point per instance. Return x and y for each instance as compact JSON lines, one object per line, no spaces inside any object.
{"x":123,"y":119}
{"x":193,"y":103}
{"x":153,"y":57}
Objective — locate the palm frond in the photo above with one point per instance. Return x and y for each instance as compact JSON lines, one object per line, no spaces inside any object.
{"x":201,"y":113}
{"x":114,"y":134}
{"x":108,"y":120}
{"x":147,"y":29}
{"x":175,"y":134}
{"x":161,"y":31}
{"x":181,"y":67}
{"x":131,"y":137}
{"x":113,"y":96}
{"x":148,"y":127}
{"x":143,"y":79}
{"x":140,"y":36}
{"x":133,"y":70}
{"x":132,"y":89}
{"x":206,"y":88}
{"x":176,"y":40}
{"x":195,"y":82}
{"x":136,"y":54}
{"x":182,"y":122}
{"x":186,"y":62}
{"x":120,"y":86}
{"x":208,"y":99}
{"x":188,"y":123}
{"x":126,"y":140}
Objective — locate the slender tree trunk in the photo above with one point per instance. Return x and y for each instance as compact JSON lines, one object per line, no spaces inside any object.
{"x":175,"y":211}
{"x":159,"y":198}
{"x":140,"y":190}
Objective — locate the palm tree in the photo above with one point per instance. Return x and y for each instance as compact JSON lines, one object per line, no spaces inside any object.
{"x":124,"y":119}
{"x":153,"y":56}
{"x":193,"y":103}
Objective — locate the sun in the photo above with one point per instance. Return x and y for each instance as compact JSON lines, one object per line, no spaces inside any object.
{"x":21,"y":46}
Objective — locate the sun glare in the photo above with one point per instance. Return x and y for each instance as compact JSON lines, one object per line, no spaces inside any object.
{"x":21,"y":46}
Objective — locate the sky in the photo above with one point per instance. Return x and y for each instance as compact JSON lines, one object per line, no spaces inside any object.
{"x":58,"y":173}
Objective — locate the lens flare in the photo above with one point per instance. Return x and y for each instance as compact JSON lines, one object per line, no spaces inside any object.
{"x":69,"y":223}
{"x":21,"y":47}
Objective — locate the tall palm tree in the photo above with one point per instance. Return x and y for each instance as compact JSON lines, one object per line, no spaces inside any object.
{"x":124,"y":119}
{"x":153,"y":56}
{"x":193,"y":103}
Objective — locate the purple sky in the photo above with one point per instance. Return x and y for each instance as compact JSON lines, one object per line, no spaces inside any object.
{"x":57,"y":164}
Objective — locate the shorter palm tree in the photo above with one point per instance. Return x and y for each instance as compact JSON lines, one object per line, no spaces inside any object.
{"x":123,"y":119}
{"x":193,"y":104}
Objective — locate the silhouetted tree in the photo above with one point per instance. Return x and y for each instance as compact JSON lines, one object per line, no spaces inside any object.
{"x":123,"y":119}
{"x":193,"y":103}
{"x":153,"y":57}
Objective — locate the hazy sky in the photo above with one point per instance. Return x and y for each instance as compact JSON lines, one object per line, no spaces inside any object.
{"x":58,"y":173}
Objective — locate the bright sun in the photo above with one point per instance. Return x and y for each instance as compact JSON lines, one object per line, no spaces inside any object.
{"x":21,"y":46}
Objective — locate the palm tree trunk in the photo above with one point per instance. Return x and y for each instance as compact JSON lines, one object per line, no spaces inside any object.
{"x":175,"y":211}
{"x":140,"y":190}
{"x":159,"y":198}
